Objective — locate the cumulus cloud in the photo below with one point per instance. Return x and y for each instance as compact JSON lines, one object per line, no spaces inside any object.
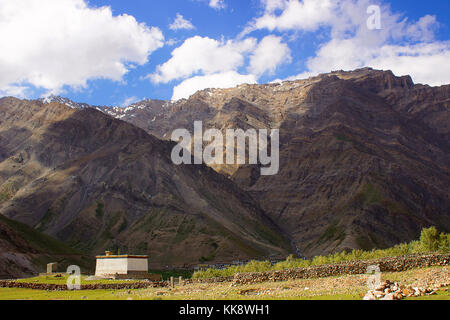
{"x":302,"y":15}
{"x":181,"y":23}
{"x":203,"y":55}
{"x":425,"y":62}
{"x":14,"y":90}
{"x":218,"y":80}
{"x":55,"y":43}
{"x":401,"y":45}
{"x":270,"y":53}
{"x":202,"y":62}
{"x":217,"y":4}
{"x":273,"y":5}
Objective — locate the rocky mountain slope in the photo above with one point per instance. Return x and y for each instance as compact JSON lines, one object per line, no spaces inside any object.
{"x":99,"y":183}
{"x":364,"y":154}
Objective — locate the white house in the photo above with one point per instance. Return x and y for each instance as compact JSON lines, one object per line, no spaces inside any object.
{"x":122,"y":265}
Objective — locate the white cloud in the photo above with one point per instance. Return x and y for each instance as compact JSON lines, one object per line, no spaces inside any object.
{"x":403,"y":46}
{"x":217,"y":4}
{"x":272,"y":5}
{"x":203,"y":55}
{"x":426,"y":63}
{"x":55,"y":43}
{"x":202,"y":62}
{"x":172,"y":42}
{"x":269,"y":54}
{"x":181,"y":23}
{"x":218,"y":80}
{"x":301,"y":15}
{"x":423,"y":30}
{"x":14,"y":91}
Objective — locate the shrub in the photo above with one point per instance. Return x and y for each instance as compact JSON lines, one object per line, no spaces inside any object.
{"x":257,"y":266}
{"x":429,"y":239}
{"x":444,"y":243}
{"x":415,"y":247}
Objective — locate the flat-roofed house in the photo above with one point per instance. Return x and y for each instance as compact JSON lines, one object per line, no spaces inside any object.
{"x":121,"y":266}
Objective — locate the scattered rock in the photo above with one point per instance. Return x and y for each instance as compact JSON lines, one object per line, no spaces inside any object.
{"x":369,"y":296}
{"x":407,"y":292}
{"x":395,"y":291}
{"x":389,"y":296}
{"x":398,"y":296}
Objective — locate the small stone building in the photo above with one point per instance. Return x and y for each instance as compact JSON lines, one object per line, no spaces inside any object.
{"x":121,"y":266}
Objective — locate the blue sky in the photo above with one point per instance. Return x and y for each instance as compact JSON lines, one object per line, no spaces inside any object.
{"x":117,"y":52}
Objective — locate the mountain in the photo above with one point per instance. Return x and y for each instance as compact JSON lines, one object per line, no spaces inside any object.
{"x":364,"y":154}
{"x":364,"y":164}
{"x":96,"y":183}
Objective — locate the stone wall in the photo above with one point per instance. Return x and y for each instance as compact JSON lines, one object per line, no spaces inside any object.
{"x":397,"y":264}
{"x":212,"y":280}
{"x":61,"y":287}
{"x":135,"y":275}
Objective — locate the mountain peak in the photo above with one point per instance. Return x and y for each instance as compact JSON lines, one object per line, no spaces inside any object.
{"x":65,"y":101}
